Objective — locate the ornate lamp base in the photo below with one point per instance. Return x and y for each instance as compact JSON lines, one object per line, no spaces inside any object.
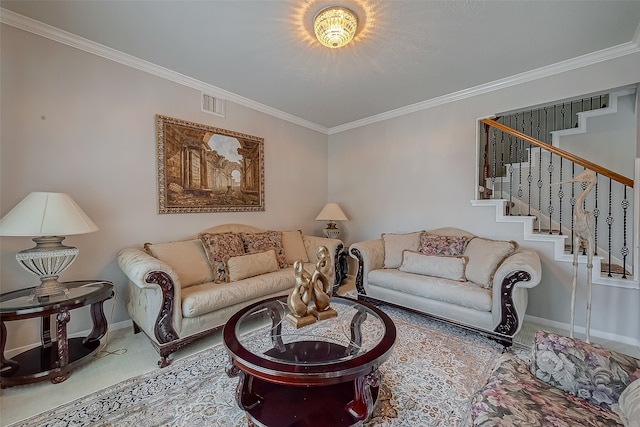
{"x":331,"y":231}
{"x":47,"y":260}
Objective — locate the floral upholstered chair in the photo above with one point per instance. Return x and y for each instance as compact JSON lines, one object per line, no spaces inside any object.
{"x":568,"y":383}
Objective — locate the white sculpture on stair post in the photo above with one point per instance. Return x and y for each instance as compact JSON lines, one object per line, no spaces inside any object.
{"x":583,"y":229}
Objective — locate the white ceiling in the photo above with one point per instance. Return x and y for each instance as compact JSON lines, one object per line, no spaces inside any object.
{"x":405,"y":52}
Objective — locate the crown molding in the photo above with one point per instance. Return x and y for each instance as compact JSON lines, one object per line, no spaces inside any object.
{"x":41,"y":29}
{"x":550,"y":70}
{"x":36,"y":27}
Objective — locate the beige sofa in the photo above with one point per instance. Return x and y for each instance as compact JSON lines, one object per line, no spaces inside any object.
{"x":181,"y":291}
{"x":452,"y":275}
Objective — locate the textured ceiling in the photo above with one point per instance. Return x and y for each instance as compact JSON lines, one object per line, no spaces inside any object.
{"x":405,"y":52}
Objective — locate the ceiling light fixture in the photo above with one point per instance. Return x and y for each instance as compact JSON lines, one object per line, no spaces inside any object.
{"x":335,"y":26}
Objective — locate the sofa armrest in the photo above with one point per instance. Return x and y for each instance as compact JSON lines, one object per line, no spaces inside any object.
{"x":336,"y":252}
{"x":585,"y":370}
{"x":154,"y":301}
{"x":370,"y":256}
{"x":520,"y":270}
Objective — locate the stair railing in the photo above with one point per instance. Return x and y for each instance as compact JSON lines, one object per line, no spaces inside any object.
{"x":531,"y":175}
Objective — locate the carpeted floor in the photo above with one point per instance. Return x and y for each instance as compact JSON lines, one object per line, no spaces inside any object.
{"x":428,"y":381}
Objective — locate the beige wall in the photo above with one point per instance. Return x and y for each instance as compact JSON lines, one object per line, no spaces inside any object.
{"x":420,"y":170}
{"x":77,"y":123}
{"x":74,"y":122}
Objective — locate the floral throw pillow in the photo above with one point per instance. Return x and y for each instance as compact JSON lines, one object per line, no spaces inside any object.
{"x":219,"y":248}
{"x":432,"y":244}
{"x":261,"y":242}
{"x":585,"y":370}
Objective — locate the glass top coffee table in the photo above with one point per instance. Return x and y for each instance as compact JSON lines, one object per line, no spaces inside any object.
{"x":323,"y":374}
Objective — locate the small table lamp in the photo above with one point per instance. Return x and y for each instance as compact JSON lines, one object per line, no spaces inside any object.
{"x":48,"y":217}
{"x":331,"y":212}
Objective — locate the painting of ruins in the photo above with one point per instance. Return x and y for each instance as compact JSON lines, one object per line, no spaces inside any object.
{"x":207,"y":169}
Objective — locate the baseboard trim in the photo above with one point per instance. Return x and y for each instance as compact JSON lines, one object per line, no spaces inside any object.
{"x":581,"y":330}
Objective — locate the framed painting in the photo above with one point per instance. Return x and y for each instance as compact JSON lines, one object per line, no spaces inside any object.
{"x":207,"y":169}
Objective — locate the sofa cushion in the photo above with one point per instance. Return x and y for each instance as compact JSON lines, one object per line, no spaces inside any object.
{"x":394,"y":244}
{"x":187,"y":258}
{"x":628,"y":407}
{"x":447,"y":267}
{"x":250,"y":265}
{"x":202,"y":299}
{"x":220,"y":247}
{"x":583,"y":369}
{"x":293,"y":245}
{"x":433,"y":244}
{"x":465,"y":294}
{"x":485,"y":256}
{"x":260,"y":242}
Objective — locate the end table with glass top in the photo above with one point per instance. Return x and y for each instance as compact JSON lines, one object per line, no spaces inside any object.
{"x":53,"y":359}
{"x":322,"y":374}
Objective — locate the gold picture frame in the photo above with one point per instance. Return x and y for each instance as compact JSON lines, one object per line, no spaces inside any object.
{"x":207,"y":169}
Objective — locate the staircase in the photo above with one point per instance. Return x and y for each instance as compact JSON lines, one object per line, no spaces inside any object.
{"x":524,"y":177}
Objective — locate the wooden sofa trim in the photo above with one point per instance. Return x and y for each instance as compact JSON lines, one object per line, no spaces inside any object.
{"x":163,"y":330}
{"x":509,"y":322}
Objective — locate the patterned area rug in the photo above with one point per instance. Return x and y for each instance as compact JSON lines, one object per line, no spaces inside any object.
{"x":428,"y":381}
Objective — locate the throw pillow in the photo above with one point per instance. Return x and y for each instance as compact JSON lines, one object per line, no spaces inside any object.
{"x":261,"y":242}
{"x":629,"y":405}
{"x":433,"y":244}
{"x":219,"y":248}
{"x":187,"y":258}
{"x":250,"y":265}
{"x":394,"y":244}
{"x":447,"y":267}
{"x":294,"y":247}
{"x":485,"y":256}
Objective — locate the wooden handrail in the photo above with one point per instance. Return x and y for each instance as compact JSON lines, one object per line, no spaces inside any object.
{"x":562,"y":153}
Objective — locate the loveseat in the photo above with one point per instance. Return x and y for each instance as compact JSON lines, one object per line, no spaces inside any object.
{"x":568,"y":383}
{"x":182,"y":291}
{"x":452,"y":275}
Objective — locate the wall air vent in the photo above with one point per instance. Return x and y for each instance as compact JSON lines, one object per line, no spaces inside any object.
{"x":212,"y":105}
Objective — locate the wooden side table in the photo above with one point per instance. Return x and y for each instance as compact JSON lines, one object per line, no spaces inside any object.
{"x":53,"y":360}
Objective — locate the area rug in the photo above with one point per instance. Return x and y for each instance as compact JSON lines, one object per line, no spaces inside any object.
{"x":428,"y":381}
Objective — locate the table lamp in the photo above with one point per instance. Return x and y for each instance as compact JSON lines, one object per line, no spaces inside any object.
{"x":48,"y":218}
{"x":331,"y":212}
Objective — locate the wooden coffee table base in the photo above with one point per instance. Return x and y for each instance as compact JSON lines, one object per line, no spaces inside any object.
{"x":269,"y":404}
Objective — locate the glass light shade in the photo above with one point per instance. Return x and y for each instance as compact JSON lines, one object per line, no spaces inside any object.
{"x":46,"y":216}
{"x":335,"y":26}
{"x":331,"y":212}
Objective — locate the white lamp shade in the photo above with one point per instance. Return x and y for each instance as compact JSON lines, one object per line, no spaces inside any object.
{"x":331,"y":212}
{"x":46,"y":214}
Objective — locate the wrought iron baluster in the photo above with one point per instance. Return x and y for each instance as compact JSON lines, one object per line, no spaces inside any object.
{"x":596,"y":214}
{"x":609,"y":223}
{"x":495,"y":164}
{"x":501,"y":165}
{"x":625,"y":249}
{"x":521,"y":160}
{"x":560,"y":197}
{"x":539,"y":182}
{"x":529,"y":176}
{"x":550,"y":207}
{"x":573,"y":203}
{"x":511,"y":161}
